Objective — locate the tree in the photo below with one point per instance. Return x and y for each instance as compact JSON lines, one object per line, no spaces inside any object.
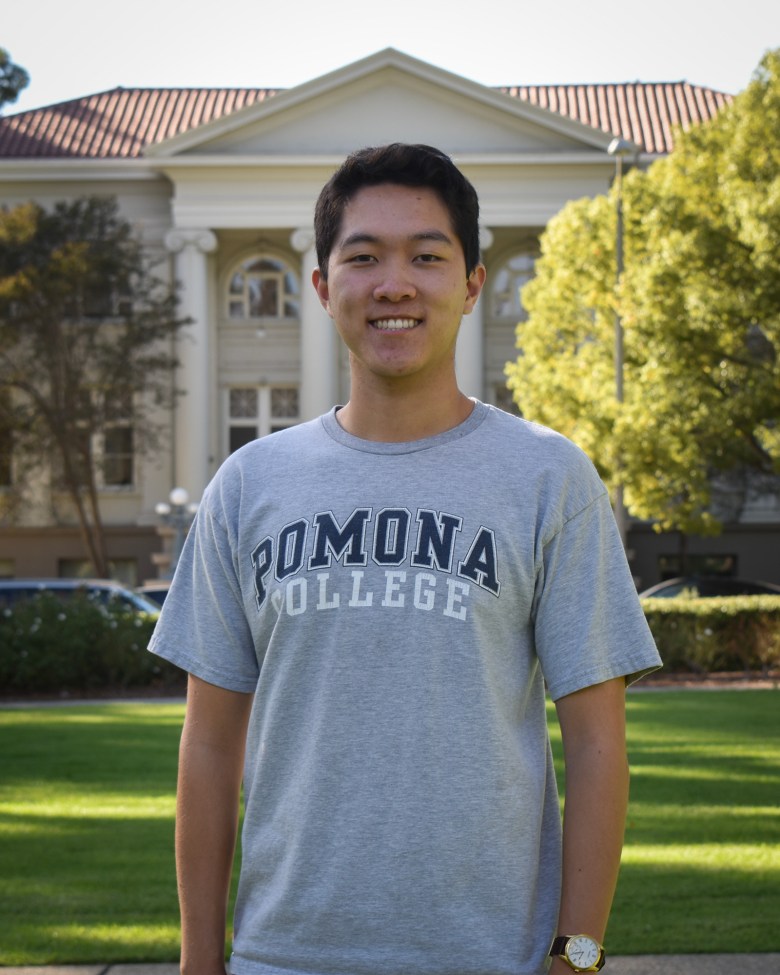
{"x":699,"y":303}
{"x":85,"y":351}
{"x":12,"y":78}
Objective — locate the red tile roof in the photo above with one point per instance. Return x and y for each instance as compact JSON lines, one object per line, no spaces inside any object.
{"x":641,"y":112}
{"x":120,"y":123}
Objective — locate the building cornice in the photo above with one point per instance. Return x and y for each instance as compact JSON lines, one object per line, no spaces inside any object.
{"x":75,"y":170}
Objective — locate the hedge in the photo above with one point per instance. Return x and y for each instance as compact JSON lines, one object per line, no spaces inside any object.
{"x":48,"y":645}
{"x":733,"y":633}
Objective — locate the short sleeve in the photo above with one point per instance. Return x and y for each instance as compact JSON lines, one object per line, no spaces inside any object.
{"x":588,"y":622}
{"x":203,"y":627}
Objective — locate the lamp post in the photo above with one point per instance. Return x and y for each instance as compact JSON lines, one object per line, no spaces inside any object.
{"x":177,"y":513}
{"x":619,"y":148}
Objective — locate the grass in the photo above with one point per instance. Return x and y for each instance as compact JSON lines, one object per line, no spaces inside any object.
{"x":86,"y":829}
{"x":86,"y":834}
{"x":701,"y":865}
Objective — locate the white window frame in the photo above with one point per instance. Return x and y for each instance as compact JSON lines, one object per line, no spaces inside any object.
{"x":269,"y":415}
{"x":285,"y":278}
{"x":101,"y":454}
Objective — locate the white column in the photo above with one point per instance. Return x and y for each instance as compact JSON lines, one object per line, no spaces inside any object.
{"x":194,"y":417}
{"x":319,"y":341}
{"x":470,"y":350}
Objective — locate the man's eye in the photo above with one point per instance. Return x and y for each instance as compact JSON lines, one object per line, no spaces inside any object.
{"x":362,"y":259}
{"x":428,"y":258}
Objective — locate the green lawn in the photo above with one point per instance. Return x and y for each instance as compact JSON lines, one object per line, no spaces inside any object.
{"x":86,"y":833}
{"x":86,"y":829}
{"x":701,"y":866}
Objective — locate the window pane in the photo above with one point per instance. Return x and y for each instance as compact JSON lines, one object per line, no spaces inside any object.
{"x":263,"y":297}
{"x":290,"y":284}
{"x":118,"y":456}
{"x":269,"y":304}
{"x":507,"y":284}
{"x":239,"y":436}
{"x":264,"y":287}
{"x":243,"y":403}
{"x":119,"y":440}
{"x":118,"y":471}
{"x":284,"y":403}
{"x":263,"y":264}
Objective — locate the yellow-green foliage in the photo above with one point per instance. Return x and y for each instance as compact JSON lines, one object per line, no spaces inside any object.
{"x":699,"y":305}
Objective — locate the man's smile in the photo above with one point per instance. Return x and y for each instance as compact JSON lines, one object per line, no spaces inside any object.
{"x":394,"y":324}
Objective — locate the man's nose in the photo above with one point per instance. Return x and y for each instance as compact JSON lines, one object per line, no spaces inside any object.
{"x":395,"y":284}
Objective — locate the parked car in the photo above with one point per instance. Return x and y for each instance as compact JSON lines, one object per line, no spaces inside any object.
{"x":104,"y":591}
{"x":156,"y":591}
{"x":709,"y":586}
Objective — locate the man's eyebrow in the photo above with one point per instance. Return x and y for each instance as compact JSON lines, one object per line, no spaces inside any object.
{"x":358,"y":238}
{"x":437,"y":235}
{"x":363,"y":237}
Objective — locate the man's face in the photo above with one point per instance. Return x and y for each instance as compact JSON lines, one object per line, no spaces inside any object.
{"x":397,"y":285}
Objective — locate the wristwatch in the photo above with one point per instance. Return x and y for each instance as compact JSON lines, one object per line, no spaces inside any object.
{"x":580,"y":952}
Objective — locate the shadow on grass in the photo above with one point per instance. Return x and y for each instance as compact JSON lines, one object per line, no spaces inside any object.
{"x":86,"y":834}
{"x":72,"y":877}
{"x":678,"y":909}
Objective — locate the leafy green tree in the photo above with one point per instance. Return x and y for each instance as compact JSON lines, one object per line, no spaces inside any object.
{"x":12,"y":78}
{"x":85,"y":352}
{"x":699,"y":305}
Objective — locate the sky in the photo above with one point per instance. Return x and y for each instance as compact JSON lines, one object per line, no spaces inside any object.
{"x":72,"y":48}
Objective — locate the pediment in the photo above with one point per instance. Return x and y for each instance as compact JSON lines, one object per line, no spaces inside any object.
{"x":384,"y":98}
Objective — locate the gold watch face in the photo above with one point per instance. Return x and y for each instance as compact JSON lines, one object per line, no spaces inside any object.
{"x":582,"y":952}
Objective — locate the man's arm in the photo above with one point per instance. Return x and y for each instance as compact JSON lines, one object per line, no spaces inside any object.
{"x":596,"y":798}
{"x":211,"y":759}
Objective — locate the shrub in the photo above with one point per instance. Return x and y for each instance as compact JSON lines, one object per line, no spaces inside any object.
{"x":716,"y":634}
{"x":47,"y":645}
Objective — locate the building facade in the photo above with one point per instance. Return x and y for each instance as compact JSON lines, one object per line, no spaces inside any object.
{"x":222,"y":184}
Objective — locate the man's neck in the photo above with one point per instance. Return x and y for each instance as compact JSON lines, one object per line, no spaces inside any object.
{"x":400,"y":416}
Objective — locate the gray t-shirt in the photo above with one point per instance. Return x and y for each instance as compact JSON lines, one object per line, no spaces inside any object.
{"x":396,"y":609}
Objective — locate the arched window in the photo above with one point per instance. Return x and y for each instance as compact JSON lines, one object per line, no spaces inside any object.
{"x":511,"y":277}
{"x":262,"y":287}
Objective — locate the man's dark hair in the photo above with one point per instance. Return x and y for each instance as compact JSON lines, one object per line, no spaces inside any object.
{"x":403,"y":165}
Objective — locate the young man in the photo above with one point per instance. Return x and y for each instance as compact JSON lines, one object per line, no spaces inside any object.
{"x":369,"y":606}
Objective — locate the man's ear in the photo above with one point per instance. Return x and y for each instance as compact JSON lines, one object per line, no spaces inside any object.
{"x":474,"y":284}
{"x":320,"y":283}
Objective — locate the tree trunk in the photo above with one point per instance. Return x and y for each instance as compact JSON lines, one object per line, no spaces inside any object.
{"x":97,"y":533}
{"x":91,"y":530}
